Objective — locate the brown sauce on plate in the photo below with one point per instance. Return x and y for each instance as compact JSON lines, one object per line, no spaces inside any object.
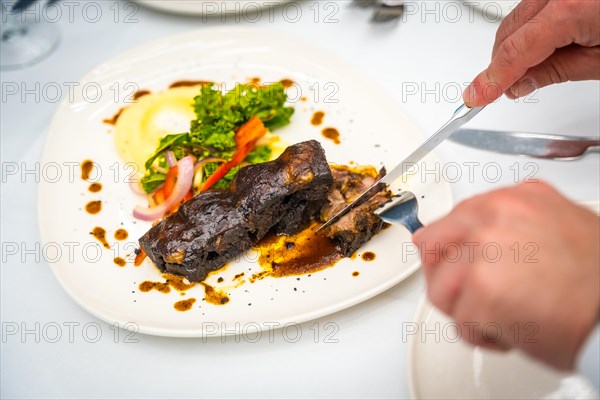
{"x":93,"y":207}
{"x":147,"y":286}
{"x":286,"y":83}
{"x":299,"y":254}
{"x":213,"y":296}
{"x":121,"y":234}
{"x":188,"y":83}
{"x":113,"y":120}
{"x":95,"y":187}
{"x":120,"y":261}
{"x":140,"y":93}
{"x":331,"y":134}
{"x":86,"y":169}
{"x":171,"y":282}
{"x":177,"y":282}
{"x":368,"y":256}
{"x":100,"y":235}
{"x":317,"y":118}
{"x":355,"y":273}
{"x":184,"y":305}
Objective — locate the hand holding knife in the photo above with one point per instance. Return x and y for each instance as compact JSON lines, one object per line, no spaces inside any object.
{"x":462,"y":115}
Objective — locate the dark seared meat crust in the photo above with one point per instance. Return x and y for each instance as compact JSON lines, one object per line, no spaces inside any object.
{"x":216,"y":226}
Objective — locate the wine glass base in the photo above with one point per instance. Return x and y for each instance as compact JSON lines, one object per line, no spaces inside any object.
{"x":27,"y":43}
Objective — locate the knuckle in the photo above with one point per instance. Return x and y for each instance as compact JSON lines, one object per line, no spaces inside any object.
{"x":487,"y":236}
{"x":486,"y":287}
{"x":509,"y":52}
{"x":540,"y":187}
{"x":569,"y":7}
{"x":557,"y":72}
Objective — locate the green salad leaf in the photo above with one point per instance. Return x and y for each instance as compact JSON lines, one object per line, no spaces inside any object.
{"x":212,"y":133}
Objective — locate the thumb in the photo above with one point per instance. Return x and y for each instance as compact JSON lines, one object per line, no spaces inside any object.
{"x":571,"y":63}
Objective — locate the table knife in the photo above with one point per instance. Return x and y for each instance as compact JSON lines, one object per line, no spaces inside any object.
{"x":527,"y":144}
{"x":461,"y":116}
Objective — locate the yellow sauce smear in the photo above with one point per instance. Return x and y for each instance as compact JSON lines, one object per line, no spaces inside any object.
{"x":300,"y":254}
{"x":184,"y":305}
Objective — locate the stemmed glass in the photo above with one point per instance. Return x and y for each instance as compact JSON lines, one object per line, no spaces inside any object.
{"x":25,"y":37}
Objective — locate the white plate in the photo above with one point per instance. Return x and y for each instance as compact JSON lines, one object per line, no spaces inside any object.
{"x":373,"y":130}
{"x":210,"y":8}
{"x":442,"y":368}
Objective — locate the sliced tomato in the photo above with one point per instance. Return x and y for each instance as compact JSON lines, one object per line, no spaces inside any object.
{"x":245,"y":140}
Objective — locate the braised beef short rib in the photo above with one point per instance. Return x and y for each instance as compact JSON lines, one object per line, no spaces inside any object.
{"x":216,"y":226}
{"x":359,"y":225}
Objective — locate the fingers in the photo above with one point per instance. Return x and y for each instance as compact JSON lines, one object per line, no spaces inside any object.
{"x":445,"y":283}
{"x":571,"y":63}
{"x":531,"y":44}
{"x":443,"y":253}
{"x":523,"y":12}
{"x":451,"y":229}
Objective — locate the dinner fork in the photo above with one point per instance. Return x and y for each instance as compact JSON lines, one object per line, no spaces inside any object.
{"x":403,"y":209}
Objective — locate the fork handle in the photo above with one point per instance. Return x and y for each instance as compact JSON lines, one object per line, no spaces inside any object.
{"x":412,"y":224}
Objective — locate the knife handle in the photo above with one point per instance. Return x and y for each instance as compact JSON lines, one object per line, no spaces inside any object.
{"x":571,"y":148}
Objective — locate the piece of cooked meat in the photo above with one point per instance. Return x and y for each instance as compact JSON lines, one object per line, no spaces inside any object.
{"x":216,"y":226}
{"x":359,"y":225}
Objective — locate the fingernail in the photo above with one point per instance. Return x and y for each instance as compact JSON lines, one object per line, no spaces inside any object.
{"x":523,"y":87}
{"x":469,"y":94}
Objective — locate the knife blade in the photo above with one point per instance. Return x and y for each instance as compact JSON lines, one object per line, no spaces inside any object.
{"x":461,"y":116}
{"x":527,"y":144}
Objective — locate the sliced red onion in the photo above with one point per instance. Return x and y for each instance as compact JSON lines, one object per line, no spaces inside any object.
{"x":185,"y":174}
{"x":198,"y":173}
{"x":171,"y":159}
{"x":209,"y":160}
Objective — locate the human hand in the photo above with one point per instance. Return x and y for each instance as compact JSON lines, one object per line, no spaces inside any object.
{"x":546,"y":274}
{"x":539,"y":43}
